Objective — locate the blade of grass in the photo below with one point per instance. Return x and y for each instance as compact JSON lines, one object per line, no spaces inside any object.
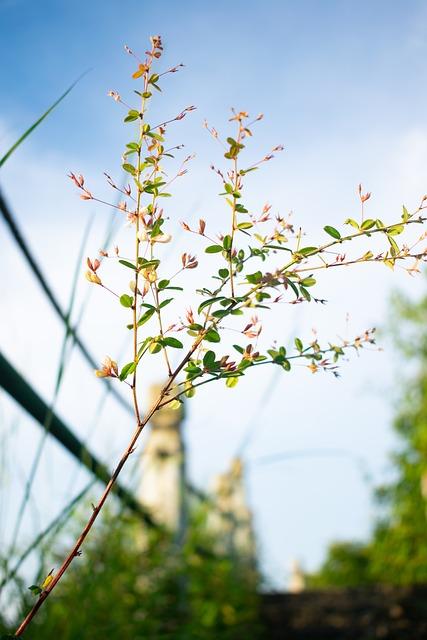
{"x":59,"y":377}
{"x":40,"y":120}
{"x":18,"y":237}
{"x":55,"y":526}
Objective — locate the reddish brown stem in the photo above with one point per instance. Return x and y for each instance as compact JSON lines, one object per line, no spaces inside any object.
{"x":96,"y":510}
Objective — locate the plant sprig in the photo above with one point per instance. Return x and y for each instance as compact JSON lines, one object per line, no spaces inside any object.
{"x":247,"y":279}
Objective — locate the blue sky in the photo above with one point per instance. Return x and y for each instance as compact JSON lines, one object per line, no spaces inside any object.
{"x":343,"y":87}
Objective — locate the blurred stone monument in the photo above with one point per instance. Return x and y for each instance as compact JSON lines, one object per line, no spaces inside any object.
{"x":164,"y":492}
{"x":162,"y":486}
{"x":230,"y":519}
{"x":297,"y":578}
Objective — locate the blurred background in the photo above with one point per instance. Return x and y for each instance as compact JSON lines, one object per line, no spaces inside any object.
{"x":310,"y":460}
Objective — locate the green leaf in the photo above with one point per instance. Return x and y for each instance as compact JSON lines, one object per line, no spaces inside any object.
{"x":155,"y":347}
{"x":132,"y":115}
{"x":209,"y":360}
{"x":143,"y":346}
{"x":126,"y":301}
{"x":226,"y":243}
{"x":396,"y":229}
{"x":221,"y":313}
{"x":207,"y":303}
{"x":394,"y":250}
{"x":148,"y":263}
{"x":165,"y":302}
{"x":35,"y":590}
{"x":245,"y":225}
{"x":254,"y":278}
{"x":305,"y":293}
{"x":223,"y":273}
{"x":162,"y":284}
{"x":232,"y":381}
{"x":299,"y":345}
{"x":172,"y":342}
{"x":213,"y":248}
{"x":128,"y":264}
{"x":405,"y":214}
{"x":127,"y":370}
{"x":352,"y":222}
{"x":367,"y":224}
{"x":307,"y":251}
{"x":129,"y":168}
{"x":145,"y":317}
{"x":332,"y":232}
{"x":308,"y":282}
{"x":212,"y":336}
{"x":286,"y":365}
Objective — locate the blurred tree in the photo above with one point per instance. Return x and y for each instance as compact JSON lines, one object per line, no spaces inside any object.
{"x":137,"y":583}
{"x":397,"y":553}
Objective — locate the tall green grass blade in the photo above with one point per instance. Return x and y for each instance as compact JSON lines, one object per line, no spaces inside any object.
{"x":39,"y":121}
{"x":59,"y":376}
{"x":57,"y":523}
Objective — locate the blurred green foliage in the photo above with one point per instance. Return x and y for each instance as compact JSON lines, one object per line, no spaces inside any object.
{"x":136,"y":583}
{"x":397,"y":552}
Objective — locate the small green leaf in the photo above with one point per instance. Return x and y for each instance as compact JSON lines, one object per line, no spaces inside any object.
{"x":213,"y":248}
{"x":165,"y":302}
{"x":332,"y":232}
{"x":254,"y":278}
{"x":286,"y":365}
{"x":172,"y":342}
{"x":129,"y":168}
{"x":305,"y":293}
{"x":352,"y":222}
{"x":212,"y":336}
{"x":132,"y":115}
{"x":145,"y":317}
{"x":126,"y":301}
{"x":35,"y":590}
{"x":226,"y":243}
{"x":155,"y":347}
{"x":127,"y":370}
{"x":307,"y":251}
{"x":128,"y":264}
{"x":396,"y":229}
{"x":207,"y":303}
{"x":367,"y":224}
{"x":299,"y":345}
{"x":162,"y":284}
{"x":148,"y":263}
{"x":220,"y":313}
{"x":232,"y":381}
{"x":223,"y":273}
{"x":209,"y":360}
{"x":405,"y":214}
{"x":308,"y":282}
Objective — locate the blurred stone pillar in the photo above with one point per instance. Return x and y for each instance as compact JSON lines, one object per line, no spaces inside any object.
{"x":163,"y":479}
{"x":230,"y":519}
{"x":297,"y":578}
